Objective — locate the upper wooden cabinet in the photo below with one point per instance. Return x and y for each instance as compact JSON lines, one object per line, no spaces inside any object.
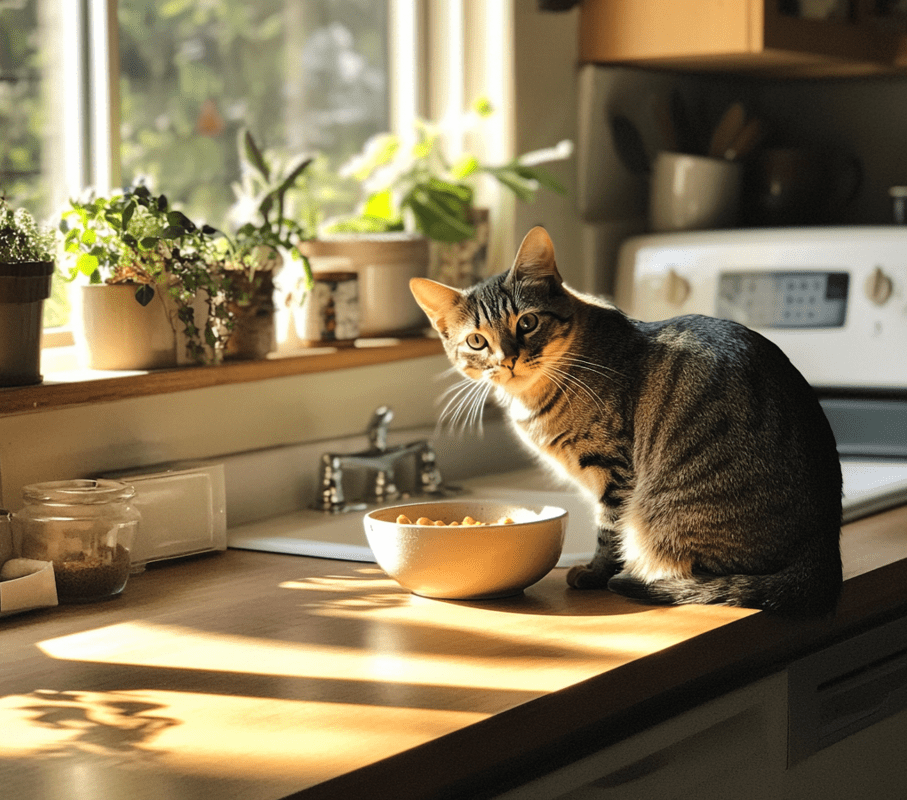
{"x":772,"y":37}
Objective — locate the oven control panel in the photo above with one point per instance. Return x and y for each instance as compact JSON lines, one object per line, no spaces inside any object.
{"x":834,"y":299}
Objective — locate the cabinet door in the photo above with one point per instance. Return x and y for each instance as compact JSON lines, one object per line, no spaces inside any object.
{"x":657,"y":30}
{"x":735,"y":746}
{"x":747,"y":36}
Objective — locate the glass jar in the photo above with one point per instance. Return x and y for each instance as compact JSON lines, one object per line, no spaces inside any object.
{"x":86,"y":528}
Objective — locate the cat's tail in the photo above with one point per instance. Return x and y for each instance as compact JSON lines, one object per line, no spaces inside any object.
{"x":798,"y":589}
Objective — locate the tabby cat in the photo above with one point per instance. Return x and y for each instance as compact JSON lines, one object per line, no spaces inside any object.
{"x":713,"y":469}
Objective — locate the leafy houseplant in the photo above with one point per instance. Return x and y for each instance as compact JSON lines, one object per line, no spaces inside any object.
{"x":417,"y":180}
{"x":22,"y":240}
{"x":136,"y":239}
{"x":26,"y":271}
{"x":254,"y":255}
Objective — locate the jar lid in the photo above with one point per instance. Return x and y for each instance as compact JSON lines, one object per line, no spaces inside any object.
{"x":87,"y":491}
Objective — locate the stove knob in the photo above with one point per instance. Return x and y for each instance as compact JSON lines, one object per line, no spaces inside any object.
{"x":676,"y":289}
{"x":878,"y":287}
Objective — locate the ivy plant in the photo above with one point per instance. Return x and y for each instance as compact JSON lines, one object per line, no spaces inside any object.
{"x":137,"y":238}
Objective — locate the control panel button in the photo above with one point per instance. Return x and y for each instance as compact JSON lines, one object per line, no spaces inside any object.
{"x":878,"y":287}
{"x":676,"y":289}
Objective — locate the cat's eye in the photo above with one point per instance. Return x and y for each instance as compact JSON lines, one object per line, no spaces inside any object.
{"x":476,"y":341}
{"x":527,"y":323}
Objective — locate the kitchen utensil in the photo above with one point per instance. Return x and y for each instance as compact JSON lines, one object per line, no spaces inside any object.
{"x":684,"y":129}
{"x":729,"y":126}
{"x":745,"y":141}
{"x":664,"y":124}
{"x":467,"y":562}
{"x":693,"y":192}
{"x":629,"y":145}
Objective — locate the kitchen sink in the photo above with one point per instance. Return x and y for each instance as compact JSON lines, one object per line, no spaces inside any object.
{"x":869,"y":486}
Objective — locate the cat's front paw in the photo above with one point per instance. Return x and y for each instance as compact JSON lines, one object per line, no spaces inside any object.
{"x":588,"y":577}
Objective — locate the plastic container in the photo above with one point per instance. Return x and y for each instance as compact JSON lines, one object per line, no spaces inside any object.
{"x":86,"y":528}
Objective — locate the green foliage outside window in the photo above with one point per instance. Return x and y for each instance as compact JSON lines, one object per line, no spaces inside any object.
{"x":302,"y":76}
{"x":305,"y":76}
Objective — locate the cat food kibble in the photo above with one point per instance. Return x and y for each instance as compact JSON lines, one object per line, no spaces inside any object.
{"x":402,"y":519}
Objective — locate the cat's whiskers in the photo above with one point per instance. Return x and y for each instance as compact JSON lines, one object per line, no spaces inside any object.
{"x":593,"y":366}
{"x":456,"y":395}
{"x":465,"y":405}
{"x":556,"y":377}
{"x":562,"y":361}
{"x":568,"y":380}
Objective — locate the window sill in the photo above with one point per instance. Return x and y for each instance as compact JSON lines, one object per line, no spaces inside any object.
{"x":87,"y":386}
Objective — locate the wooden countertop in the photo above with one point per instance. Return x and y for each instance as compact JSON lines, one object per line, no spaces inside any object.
{"x":251,"y":675}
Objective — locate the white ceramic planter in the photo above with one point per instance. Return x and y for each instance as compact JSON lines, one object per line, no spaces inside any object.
{"x":116,"y":332}
{"x":384,"y":263}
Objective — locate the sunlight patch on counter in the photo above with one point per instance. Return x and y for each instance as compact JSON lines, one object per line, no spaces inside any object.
{"x":384,"y":660}
{"x":219,"y":735}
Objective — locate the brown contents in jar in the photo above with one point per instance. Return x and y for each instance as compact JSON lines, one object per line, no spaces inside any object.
{"x":92,"y":577}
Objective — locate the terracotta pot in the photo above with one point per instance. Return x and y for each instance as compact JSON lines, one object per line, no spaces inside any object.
{"x":384,"y":263}
{"x":24,"y":286}
{"x":254,"y":331}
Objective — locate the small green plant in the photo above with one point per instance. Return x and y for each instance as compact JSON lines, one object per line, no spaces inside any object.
{"x":267,"y":225}
{"x":417,"y":179}
{"x":22,"y":239}
{"x":136,"y":238}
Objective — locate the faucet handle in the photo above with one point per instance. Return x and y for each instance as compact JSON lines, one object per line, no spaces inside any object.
{"x":378,"y":427}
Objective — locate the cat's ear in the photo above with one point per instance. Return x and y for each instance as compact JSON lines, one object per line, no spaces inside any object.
{"x":435,"y":299}
{"x":535,"y":258}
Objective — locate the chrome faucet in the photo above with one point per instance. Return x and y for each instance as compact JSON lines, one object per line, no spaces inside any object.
{"x":382,"y":460}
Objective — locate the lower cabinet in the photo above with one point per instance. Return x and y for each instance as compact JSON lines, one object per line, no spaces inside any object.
{"x":732,"y":747}
{"x":832,"y":725}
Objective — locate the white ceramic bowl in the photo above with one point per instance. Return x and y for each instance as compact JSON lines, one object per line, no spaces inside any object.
{"x":467,"y":562}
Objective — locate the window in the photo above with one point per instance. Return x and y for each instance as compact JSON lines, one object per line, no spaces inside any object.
{"x":302,"y":75}
{"x":102,"y":92}
{"x":20,"y":106}
{"x":105,"y":92}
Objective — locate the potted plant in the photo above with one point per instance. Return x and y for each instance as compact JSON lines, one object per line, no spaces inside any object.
{"x":26,"y":271}
{"x":254,"y":255}
{"x":162,"y":302}
{"x":411,"y":186}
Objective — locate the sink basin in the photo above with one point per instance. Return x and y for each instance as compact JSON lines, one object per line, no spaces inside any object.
{"x":342,"y":536}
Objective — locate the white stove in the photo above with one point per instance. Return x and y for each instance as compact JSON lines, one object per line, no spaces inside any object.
{"x":834,"y":299}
